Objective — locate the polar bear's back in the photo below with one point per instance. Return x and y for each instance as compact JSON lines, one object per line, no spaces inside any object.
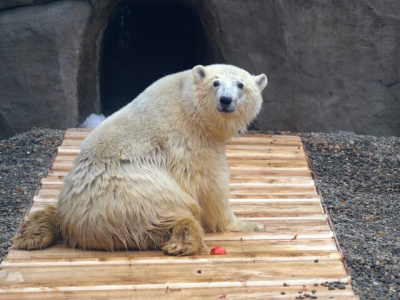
{"x":144,"y":123}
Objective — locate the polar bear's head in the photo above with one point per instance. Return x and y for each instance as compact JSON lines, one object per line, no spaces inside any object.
{"x":229,"y":93}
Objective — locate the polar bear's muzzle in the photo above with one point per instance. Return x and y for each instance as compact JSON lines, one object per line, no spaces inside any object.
{"x":226,"y":105}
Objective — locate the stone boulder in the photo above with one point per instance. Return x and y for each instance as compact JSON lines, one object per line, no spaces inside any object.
{"x":40,"y":57}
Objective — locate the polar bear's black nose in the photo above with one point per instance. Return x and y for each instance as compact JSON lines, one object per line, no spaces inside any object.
{"x":225,"y":100}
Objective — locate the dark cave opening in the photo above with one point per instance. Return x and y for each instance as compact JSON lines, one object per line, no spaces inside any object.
{"x":144,"y":42}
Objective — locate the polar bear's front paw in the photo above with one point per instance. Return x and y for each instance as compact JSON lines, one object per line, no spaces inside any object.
{"x":180,"y":248}
{"x":249,"y":226}
{"x":186,"y":238}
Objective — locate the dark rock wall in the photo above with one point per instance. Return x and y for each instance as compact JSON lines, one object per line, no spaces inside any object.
{"x":39,"y":62}
{"x":331,"y":64}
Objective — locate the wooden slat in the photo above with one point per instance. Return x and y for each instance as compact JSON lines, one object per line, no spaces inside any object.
{"x":274,"y":248}
{"x":259,"y":210}
{"x":266,"y":140}
{"x":231,"y":154}
{"x":236,"y":173}
{"x":237,"y":192}
{"x":268,"y":148}
{"x":266,"y":292}
{"x":281,"y":163}
{"x":61,"y":255}
{"x":175,"y":275}
{"x":268,"y":164}
{"x":273,"y":177}
{"x":248,"y":147}
{"x":268,"y":172}
{"x":242,"y":209}
{"x":244,"y":154}
{"x":57,"y":182}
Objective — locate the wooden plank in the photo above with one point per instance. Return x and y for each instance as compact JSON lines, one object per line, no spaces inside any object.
{"x":244,"y":154}
{"x":278,"y":195}
{"x":51,"y":182}
{"x":297,"y":160}
{"x":265,"y":195}
{"x":231,"y":154}
{"x":268,"y":148}
{"x":233,"y":162}
{"x":235,"y":192}
{"x":158,"y":258}
{"x":75,"y":142}
{"x":268,"y":172}
{"x":64,"y":159}
{"x":278,"y":182}
{"x":273,"y":177}
{"x":233,"y":146}
{"x":38,"y":199}
{"x":253,"y":174}
{"x":249,"y":236}
{"x":243,"y":168}
{"x":241,"y":209}
{"x":279,"y":249}
{"x":152,"y":276}
{"x":267,"y":293}
{"x":62,"y":166}
{"x":237,"y":251}
{"x":68,"y":151}
{"x":251,"y":215}
{"x":268,"y":162}
{"x":265,"y":141}
{"x":60,"y":252}
{"x":272,"y":190}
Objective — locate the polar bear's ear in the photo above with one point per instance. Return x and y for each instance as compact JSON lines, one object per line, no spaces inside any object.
{"x":199,"y":73}
{"x":261,"y":81}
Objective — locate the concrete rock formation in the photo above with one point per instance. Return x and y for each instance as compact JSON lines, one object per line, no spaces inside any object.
{"x":332,"y":65}
{"x":39,"y":62}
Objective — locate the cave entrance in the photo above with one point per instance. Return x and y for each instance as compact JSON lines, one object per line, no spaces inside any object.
{"x":144,"y":42}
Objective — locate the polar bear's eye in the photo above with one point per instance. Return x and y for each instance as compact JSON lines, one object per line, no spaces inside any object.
{"x":240,"y":85}
{"x":216,"y":83}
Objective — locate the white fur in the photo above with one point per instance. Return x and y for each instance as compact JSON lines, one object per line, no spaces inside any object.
{"x":155,"y":173}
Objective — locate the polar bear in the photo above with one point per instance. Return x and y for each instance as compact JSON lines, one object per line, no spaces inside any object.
{"x":154,"y":175}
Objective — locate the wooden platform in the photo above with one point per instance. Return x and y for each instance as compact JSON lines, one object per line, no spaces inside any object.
{"x":270,"y":182}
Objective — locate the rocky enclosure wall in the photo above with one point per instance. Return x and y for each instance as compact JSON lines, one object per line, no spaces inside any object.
{"x":331,"y":64}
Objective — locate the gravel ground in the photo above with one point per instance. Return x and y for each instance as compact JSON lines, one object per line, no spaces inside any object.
{"x":358,"y":177}
{"x":359,"y":180}
{"x":24,"y":160}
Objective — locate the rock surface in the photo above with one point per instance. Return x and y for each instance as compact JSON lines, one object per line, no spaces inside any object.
{"x":332,"y":65}
{"x":40,"y":56}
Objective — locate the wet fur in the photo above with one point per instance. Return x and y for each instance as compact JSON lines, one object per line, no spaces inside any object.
{"x":154,"y":175}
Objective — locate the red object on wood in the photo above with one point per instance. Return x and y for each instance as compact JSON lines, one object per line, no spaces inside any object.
{"x":218,"y":251}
